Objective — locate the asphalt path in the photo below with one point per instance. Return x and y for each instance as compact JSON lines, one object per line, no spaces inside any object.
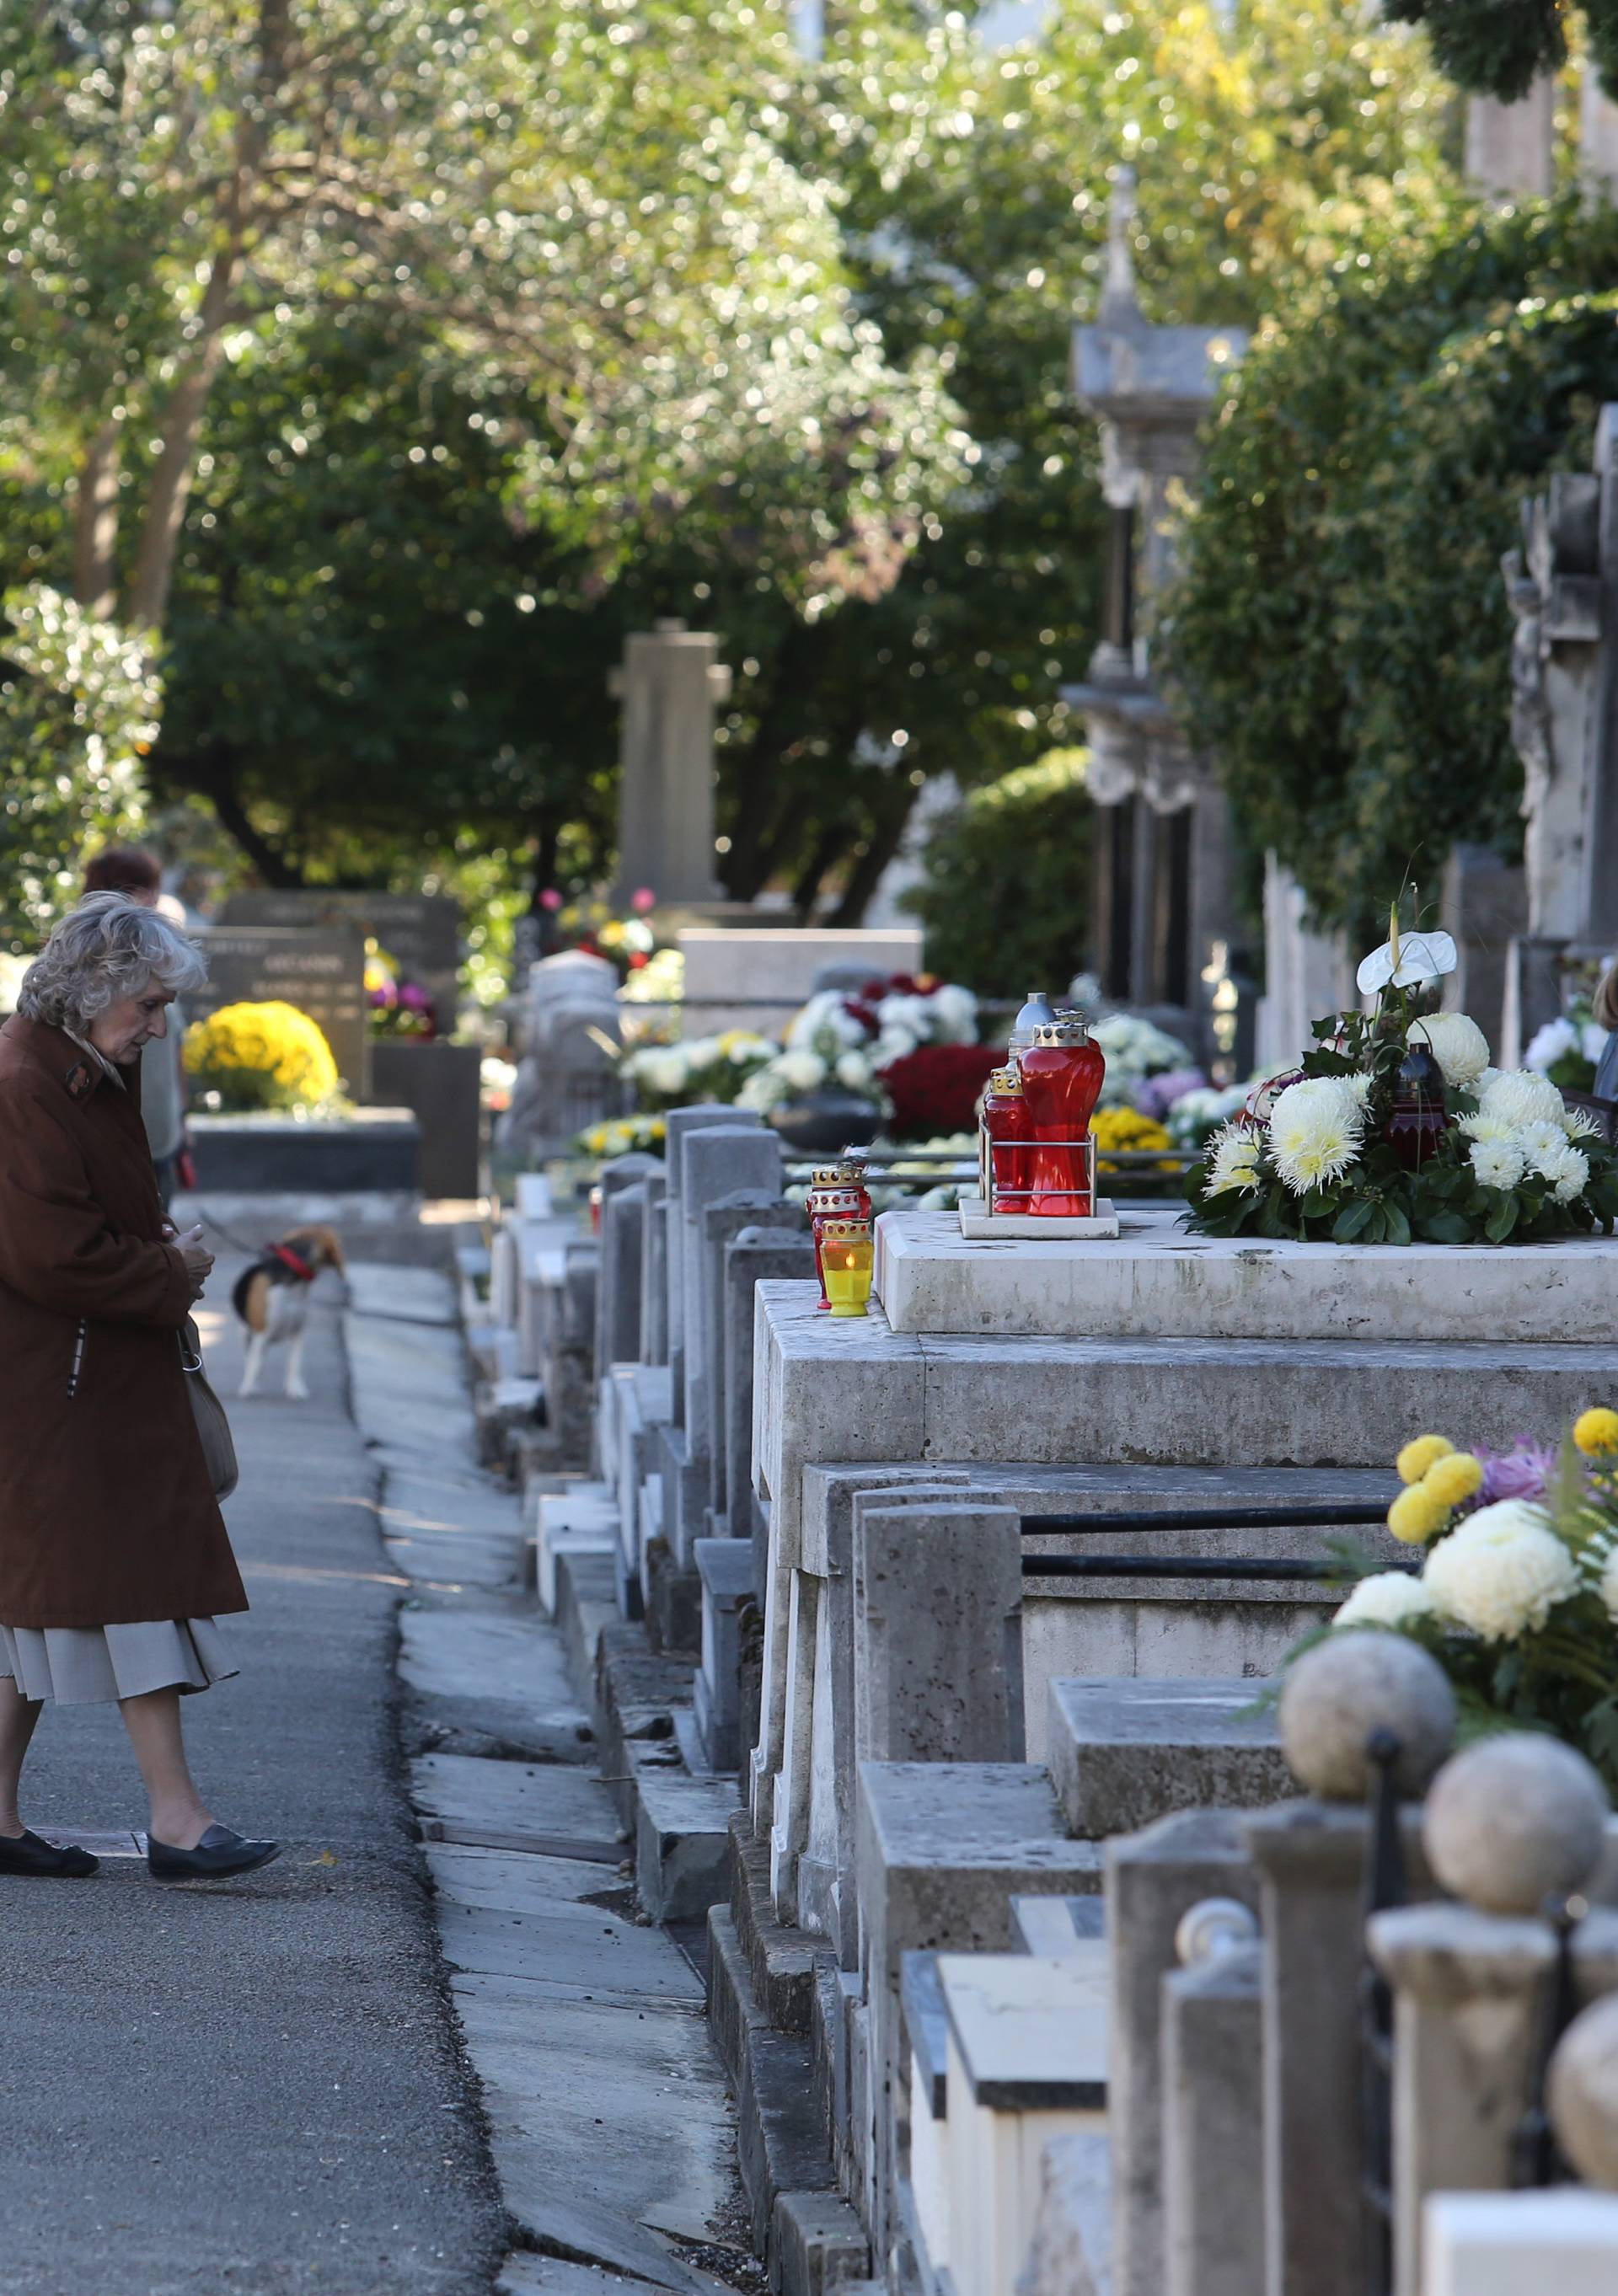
{"x":254,"y":2086}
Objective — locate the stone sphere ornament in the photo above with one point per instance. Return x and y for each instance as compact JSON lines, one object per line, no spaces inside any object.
{"x":1582,"y":2092}
{"x":1514,"y":1821}
{"x":1361,"y":1682}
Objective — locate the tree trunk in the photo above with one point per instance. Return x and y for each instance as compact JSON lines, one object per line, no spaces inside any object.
{"x":747,"y":864}
{"x":210,"y":773}
{"x":182,"y":422}
{"x":95,"y":523}
{"x":884,"y":843}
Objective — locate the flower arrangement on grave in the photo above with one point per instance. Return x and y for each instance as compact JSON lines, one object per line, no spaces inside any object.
{"x":1517,"y":1592}
{"x":696,"y":1068}
{"x":864,"y":1040}
{"x":594,"y":926}
{"x":1125,"y":1130}
{"x":395,"y":1004}
{"x":1567,"y":1048}
{"x":246,"y":1057}
{"x":1396,"y":1126}
{"x":622,"y":1136}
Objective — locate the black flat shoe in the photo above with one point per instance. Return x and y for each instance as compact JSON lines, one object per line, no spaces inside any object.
{"x":219,"y":1854}
{"x":24,"y":1853}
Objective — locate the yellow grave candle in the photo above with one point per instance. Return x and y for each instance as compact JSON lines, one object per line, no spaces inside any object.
{"x":846,"y":1258}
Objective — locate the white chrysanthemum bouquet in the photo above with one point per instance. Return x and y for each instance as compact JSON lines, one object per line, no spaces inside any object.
{"x":1396,"y":1127}
{"x":1517,"y":1592}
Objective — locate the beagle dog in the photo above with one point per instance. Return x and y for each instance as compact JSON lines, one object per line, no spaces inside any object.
{"x":272,"y":1298}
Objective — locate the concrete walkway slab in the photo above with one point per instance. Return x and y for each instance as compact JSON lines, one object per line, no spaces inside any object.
{"x":498,"y":1655}
{"x":599,"y":2111}
{"x":544,"y":1801}
{"x":613,"y":2135}
{"x":567,"y":1945}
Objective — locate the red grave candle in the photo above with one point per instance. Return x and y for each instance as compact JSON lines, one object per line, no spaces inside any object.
{"x":1009,"y":1127}
{"x":1062,"y":1073}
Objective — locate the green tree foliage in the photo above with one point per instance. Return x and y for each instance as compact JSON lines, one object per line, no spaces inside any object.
{"x":623,"y":308}
{"x":1006,"y":885}
{"x":1499,"y":47}
{"x":77,"y":711}
{"x":975,"y":190}
{"x":1340,"y":634}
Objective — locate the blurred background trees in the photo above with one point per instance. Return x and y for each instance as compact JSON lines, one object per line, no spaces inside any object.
{"x":376,"y":371}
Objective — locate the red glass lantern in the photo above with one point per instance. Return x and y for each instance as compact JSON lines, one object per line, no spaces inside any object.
{"x":1008,"y":1129}
{"x":1418,"y":1120}
{"x":1062,"y":1076}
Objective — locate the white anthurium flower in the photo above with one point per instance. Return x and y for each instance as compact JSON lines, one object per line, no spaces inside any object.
{"x":1405,"y":960}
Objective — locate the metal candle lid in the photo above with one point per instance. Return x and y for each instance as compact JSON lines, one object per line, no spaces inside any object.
{"x":1067,"y":1028}
{"x":827,"y":1176}
{"x":1006,"y":1079}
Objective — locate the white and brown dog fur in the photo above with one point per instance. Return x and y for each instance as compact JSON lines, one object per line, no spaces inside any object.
{"x":272,"y":1298}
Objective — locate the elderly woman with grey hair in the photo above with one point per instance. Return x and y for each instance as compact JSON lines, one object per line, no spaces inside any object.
{"x":114,"y":1560}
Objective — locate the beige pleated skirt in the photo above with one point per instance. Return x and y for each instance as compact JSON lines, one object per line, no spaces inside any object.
{"x":87,"y":1665}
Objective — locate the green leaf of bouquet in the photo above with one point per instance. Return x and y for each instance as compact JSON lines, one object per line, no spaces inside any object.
{"x":1502,"y":1218}
{"x":1399,"y":1227}
{"x":1354,"y":1219}
{"x":1447,"y":1227}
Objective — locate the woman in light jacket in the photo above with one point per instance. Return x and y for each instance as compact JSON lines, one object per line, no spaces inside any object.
{"x":114,"y":1560}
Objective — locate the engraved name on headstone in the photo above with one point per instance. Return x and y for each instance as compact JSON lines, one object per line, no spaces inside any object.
{"x":321,"y":973}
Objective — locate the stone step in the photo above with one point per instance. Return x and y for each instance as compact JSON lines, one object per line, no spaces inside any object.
{"x":817,"y":2244}
{"x":586,"y":1607}
{"x":1123,"y":1754}
{"x":783,"y":1961}
{"x":637,"y":1694}
{"x":682,"y":1839}
{"x":582,"y":1520}
{"x":780,"y":2143}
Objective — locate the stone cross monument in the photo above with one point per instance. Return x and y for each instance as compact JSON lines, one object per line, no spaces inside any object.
{"x":1563,"y":589}
{"x":669,"y":685}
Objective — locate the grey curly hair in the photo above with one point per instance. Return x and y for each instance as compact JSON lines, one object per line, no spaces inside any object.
{"x":108,"y":946}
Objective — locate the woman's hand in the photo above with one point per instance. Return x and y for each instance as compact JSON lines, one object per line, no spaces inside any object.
{"x":197,"y":1257}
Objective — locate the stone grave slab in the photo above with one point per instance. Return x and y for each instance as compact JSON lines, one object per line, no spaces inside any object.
{"x":1123,"y":1754}
{"x":1157,"y":1280}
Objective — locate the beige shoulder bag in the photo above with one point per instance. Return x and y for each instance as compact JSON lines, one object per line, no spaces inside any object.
{"x":209,"y":1412}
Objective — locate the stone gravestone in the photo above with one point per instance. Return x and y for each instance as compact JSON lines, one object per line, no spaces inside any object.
{"x":320,"y":971}
{"x":567,"y":1077}
{"x":1562,"y":588}
{"x":669,"y":684}
{"x":422,"y":931}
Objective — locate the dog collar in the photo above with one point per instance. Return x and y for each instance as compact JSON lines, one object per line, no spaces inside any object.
{"x":292,"y":1262}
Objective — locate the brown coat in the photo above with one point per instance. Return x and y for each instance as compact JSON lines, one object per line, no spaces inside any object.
{"x":107,"y":1515}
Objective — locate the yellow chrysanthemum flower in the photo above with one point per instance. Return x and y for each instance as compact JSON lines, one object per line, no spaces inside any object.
{"x":268,"y":1055}
{"x":1416,"y":1514}
{"x":1595,"y":1432}
{"x":1453,"y":1478}
{"x":1414,"y":1461}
